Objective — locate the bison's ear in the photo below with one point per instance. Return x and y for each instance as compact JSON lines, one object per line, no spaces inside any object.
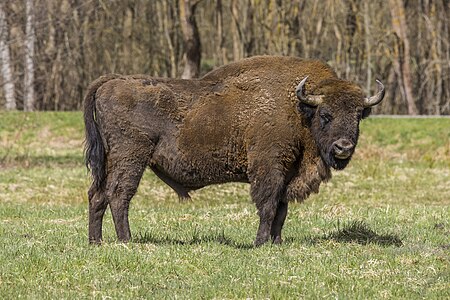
{"x":366,"y":112}
{"x":306,"y":110}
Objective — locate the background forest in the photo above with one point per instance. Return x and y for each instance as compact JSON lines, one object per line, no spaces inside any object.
{"x":50,"y":50}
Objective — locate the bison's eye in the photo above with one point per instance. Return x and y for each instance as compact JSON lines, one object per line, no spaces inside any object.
{"x":359,"y":115}
{"x":325,"y":118}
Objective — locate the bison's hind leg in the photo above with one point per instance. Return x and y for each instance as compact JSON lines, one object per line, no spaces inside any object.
{"x":97,"y":207}
{"x":124,"y":175}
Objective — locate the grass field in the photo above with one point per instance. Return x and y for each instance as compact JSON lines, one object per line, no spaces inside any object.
{"x":379,"y":229}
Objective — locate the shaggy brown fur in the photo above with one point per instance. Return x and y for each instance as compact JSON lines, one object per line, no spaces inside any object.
{"x":241,"y":122}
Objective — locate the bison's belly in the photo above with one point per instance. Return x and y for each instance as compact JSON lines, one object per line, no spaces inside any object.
{"x":194,"y":168}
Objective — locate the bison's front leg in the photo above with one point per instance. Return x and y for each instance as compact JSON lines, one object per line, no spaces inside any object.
{"x":278,"y":222}
{"x":267,"y":190}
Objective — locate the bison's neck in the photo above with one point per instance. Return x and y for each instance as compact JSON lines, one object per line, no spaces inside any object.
{"x":312,"y":171}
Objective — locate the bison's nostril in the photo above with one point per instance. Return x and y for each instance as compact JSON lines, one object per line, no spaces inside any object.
{"x":343,"y":148}
{"x":338,"y":147}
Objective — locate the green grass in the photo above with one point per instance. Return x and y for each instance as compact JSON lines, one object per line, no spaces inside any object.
{"x":379,"y":229}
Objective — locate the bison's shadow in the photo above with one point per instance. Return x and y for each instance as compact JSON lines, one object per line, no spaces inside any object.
{"x":219,"y":238}
{"x":352,"y":232}
{"x":356,"y":232}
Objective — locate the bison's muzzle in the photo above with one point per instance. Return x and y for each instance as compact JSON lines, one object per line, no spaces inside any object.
{"x":343,"y":149}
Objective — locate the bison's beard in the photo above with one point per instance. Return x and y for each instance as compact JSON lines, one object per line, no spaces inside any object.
{"x":339,"y":164}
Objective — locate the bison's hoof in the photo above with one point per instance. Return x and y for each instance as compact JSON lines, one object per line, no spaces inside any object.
{"x":95,"y":242}
{"x":259,"y":242}
{"x":277,"y":240}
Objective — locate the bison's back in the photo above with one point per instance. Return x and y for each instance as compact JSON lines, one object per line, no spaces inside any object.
{"x":281,"y":69}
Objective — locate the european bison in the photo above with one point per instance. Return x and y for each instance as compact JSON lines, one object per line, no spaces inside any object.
{"x":278,"y":123}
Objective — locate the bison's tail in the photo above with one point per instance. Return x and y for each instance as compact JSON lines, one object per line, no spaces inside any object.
{"x":94,"y":150}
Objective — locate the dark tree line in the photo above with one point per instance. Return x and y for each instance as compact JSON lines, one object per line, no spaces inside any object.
{"x":51,"y":49}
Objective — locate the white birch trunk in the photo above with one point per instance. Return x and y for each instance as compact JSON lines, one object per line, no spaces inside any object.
{"x":29,"y":56}
{"x":5,"y":59}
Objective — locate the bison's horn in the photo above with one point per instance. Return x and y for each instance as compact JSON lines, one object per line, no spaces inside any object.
{"x":313,"y":100}
{"x":374,"y":100}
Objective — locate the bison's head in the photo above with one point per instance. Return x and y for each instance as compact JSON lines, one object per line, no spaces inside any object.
{"x":333,"y":111}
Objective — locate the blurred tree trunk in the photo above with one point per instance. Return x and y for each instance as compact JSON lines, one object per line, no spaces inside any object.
{"x":368,"y":45}
{"x":350,"y":31}
{"x":167,"y":27}
{"x":5,"y":59}
{"x":243,"y":29}
{"x":249,"y":42}
{"x":236,"y":31}
{"x":191,"y":39}
{"x":221,"y":51}
{"x":402,"y":59}
{"x":128,"y":24}
{"x":50,"y":55}
{"x":29,"y":99}
{"x":434,"y":74}
{"x":293,"y":22}
{"x":311,"y":29}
